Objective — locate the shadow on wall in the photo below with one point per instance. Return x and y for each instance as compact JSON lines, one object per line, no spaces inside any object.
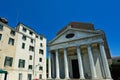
{"x":115,"y":71}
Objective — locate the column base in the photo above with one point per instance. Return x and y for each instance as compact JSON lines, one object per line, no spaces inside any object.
{"x":82,"y":78}
{"x":49,"y":78}
{"x":94,"y":77}
{"x":108,"y":77}
{"x":57,"y":78}
{"x":66,"y":78}
{"x":98,"y":79}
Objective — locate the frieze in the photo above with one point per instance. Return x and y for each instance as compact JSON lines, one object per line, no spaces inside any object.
{"x":75,"y":43}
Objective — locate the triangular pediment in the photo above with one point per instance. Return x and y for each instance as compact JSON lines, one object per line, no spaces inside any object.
{"x":70,"y":34}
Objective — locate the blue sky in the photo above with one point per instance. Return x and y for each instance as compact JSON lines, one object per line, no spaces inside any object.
{"x":49,"y":16}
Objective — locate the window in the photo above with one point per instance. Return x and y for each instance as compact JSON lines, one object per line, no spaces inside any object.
{"x":31,"y":48}
{"x":24,"y":29}
{"x":31,"y":40}
{"x":1,"y":27}
{"x":41,"y":51}
{"x":40,"y":59}
{"x":20,"y":76}
{"x":70,"y":35}
{"x":41,"y":45}
{"x":36,"y":36}
{"x":21,"y":63}
{"x":11,"y":41}
{"x":24,"y":37}
{"x":40,"y":68}
{"x":41,"y":38}
{"x":12,"y":33}
{"x":30,"y":57}
{"x":0,"y":37}
{"x":40,"y":76}
{"x":8,"y":61}
{"x":23,"y":45}
{"x":31,"y":33}
{"x":30,"y":67}
{"x":29,"y":77}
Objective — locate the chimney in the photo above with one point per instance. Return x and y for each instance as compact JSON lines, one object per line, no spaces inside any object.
{"x":4,"y":20}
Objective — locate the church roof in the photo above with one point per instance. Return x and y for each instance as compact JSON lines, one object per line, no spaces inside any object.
{"x":78,"y":25}
{"x":84,"y":27}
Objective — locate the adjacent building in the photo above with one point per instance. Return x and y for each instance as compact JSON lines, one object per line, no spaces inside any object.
{"x":79,"y":52}
{"x":116,"y":59}
{"x":22,"y":52}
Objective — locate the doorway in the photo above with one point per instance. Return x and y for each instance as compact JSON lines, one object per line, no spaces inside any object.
{"x":75,"y":69}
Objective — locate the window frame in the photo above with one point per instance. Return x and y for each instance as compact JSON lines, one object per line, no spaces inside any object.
{"x":20,"y":76}
{"x":30,"y":57}
{"x":31,"y":40}
{"x":40,"y":76}
{"x":30,"y":67}
{"x":11,"y":41}
{"x":21,"y":63}
{"x":24,"y":29}
{"x":24,"y":38}
{"x":23,"y":45}
{"x":0,"y":37}
{"x":40,"y":68}
{"x":70,"y":35}
{"x":8,"y":61}
{"x":29,"y":77}
{"x":31,"y":33}
{"x":1,"y":27}
{"x":31,"y":48}
{"x":40,"y":59}
{"x":36,"y":36}
{"x":12,"y":32}
{"x":41,"y":37}
{"x":41,"y":44}
{"x":41,"y":51}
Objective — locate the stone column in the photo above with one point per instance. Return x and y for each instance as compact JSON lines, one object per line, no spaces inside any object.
{"x":57,"y":65}
{"x":92,"y":65}
{"x":53,"y":66}
{"x":105,"y":62}
{"x":49,"y":65}
{"x":81,"y":72}
{"x":66,"y":64}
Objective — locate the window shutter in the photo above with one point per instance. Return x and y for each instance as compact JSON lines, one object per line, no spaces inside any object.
{"x":23,"y":63}
{"x":11,"y":60}
{"x":5,"y":61}
{"x":19,"y":63}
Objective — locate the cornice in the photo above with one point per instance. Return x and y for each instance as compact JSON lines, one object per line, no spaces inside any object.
{"x":98,"y":35}
{"x":80,"y":30}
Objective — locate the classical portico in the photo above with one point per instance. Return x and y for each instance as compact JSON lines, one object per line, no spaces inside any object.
{"x":78,"y":54}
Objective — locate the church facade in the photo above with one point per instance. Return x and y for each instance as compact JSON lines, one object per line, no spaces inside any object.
{"x":79,"y":52}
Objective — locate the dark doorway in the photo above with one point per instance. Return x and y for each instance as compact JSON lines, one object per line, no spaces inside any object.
{"x":75,"y":68}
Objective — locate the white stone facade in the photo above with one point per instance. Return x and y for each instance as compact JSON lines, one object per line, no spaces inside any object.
{"x":29,"y":55}
{"x":78,"y":54}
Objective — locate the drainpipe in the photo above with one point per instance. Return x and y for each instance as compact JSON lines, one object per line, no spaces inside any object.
{"x":34,"y":60}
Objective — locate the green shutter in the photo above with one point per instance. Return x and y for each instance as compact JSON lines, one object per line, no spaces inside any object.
{"x":5,"y":61}
{"x":23,"y":63}
{"x":11,"y":60}
{"x":3,"y":71}
{"x":19,"y":63}
{"x":0,"y":36}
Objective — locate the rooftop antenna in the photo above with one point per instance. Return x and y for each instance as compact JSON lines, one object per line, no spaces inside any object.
{"x":17,"y":17}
